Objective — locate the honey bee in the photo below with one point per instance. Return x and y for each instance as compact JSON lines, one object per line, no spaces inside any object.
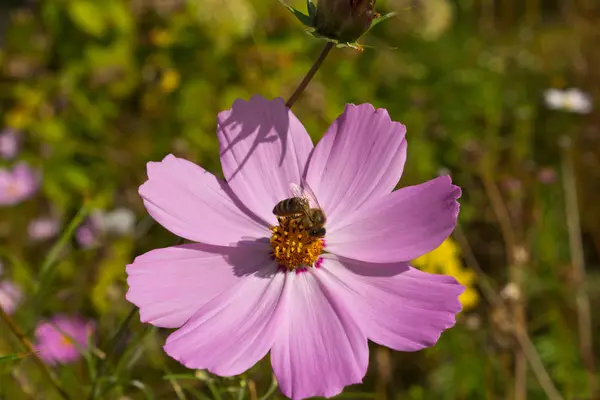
{"x":303,"y":204}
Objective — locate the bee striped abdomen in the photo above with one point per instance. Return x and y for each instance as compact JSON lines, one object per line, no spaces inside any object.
{"x":289,"y":207}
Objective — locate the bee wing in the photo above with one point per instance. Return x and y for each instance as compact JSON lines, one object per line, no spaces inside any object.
{"x":297,"y":191}
{"x":309,"y":194}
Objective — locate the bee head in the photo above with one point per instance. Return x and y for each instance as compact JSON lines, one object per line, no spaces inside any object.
{"x":317,"y":216}
{"x":317,"y":232}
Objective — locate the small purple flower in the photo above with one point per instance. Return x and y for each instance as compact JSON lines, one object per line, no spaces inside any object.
{"x":9,"y":144}
{"x":87,"y":235}
{"x":43,"y":228}
{"x":547,"y":175}
{"x":10,"y":296}
{"x":512,"y":185}
{"x":58,"y":345}
{"x":18,"y":184}
{"x":252,"y":283}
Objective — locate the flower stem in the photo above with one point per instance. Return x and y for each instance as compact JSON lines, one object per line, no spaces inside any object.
{"x":110,"y":348}
{"x":27,"y":344}
{"x":311,"y":73}
{"x":490,"y":294}
{"x":582,"y":299}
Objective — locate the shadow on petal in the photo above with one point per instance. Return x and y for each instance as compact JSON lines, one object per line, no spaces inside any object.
{"x":260,"y":266}
{"x":240,"y":204}
{"x":242,"y":117}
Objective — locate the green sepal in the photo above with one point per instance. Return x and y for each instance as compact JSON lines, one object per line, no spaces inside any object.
{"x":312,"y":9}
{"x":352,"y":45}
{"x":382,"y":18}
{"x":338,"y":44}
{"x":306,"y":20}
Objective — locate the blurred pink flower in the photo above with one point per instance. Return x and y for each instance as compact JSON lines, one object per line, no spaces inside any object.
{"x":17,"y":185}
{"x":43,"y":228}
{"x":10,"y":296}
{"x":248,"y":287}
{"x":9,"y":144}
{"x":512,"y":185}
{"x":547,"y":175}
{"x":87,"y":235}
{"x":58,"y":345}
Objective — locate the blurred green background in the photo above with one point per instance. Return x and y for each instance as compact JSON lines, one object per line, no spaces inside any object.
{"x":95,"y":89}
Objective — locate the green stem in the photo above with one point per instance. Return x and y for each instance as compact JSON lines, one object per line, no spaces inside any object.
{"x":101,"y":365}
{"x":29,"y":347}
{"x":311,"y":73}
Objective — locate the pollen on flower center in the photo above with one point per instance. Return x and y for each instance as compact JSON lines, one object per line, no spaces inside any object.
{"x":66,"y":341}
{"x":292,"y":246}
{"x":13,"y":189}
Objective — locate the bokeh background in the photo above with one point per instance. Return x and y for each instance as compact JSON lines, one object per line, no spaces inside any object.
{"x":90,"y":91}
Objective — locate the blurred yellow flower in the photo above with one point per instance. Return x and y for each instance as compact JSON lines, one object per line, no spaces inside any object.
{"x":170,"y":80}
{"x":231,"y":19}
{"x":446,"y":260}
{"x":161,"y":37}
{"x":18,"y":118}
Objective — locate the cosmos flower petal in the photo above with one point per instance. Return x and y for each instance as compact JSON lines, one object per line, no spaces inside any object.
{"x":55,"y":337}
{"x":398,"y":306}
{"x":264,"y":148}
{"x":361,"y":157}
{"x":194,"y":204}
{"x":319,"y":348}
{"x":400,"y":226}
{"x":18,"y":184}
{"x":231,"y":333}
{"x":170,"y":285}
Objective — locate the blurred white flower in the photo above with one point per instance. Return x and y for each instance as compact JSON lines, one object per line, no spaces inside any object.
{"x":473,"y":322}
{"x":43,"y":228}
{"x":572,"y":100}
{"x":119,"y":222}
{"x":511,"y":292}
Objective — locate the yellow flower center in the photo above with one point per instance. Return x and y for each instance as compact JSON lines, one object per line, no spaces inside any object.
{"x":66,"y":341}
{"x":292,"y":246}
{"x":13,"y":189}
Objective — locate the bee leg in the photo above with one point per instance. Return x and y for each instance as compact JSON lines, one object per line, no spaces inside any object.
{"x":306,"y":222}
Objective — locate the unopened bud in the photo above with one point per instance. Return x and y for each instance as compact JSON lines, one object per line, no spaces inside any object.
{"x":344,"y":20}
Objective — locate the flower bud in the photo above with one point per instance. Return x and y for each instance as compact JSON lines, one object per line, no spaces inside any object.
{"x":344,"y":20}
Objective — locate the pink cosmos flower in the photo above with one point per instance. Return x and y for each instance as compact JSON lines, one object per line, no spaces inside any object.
{"x":58,"y":345}
{"x":10,"y":296}
{"x":17,"y":185}
{"x":252,"y":283}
